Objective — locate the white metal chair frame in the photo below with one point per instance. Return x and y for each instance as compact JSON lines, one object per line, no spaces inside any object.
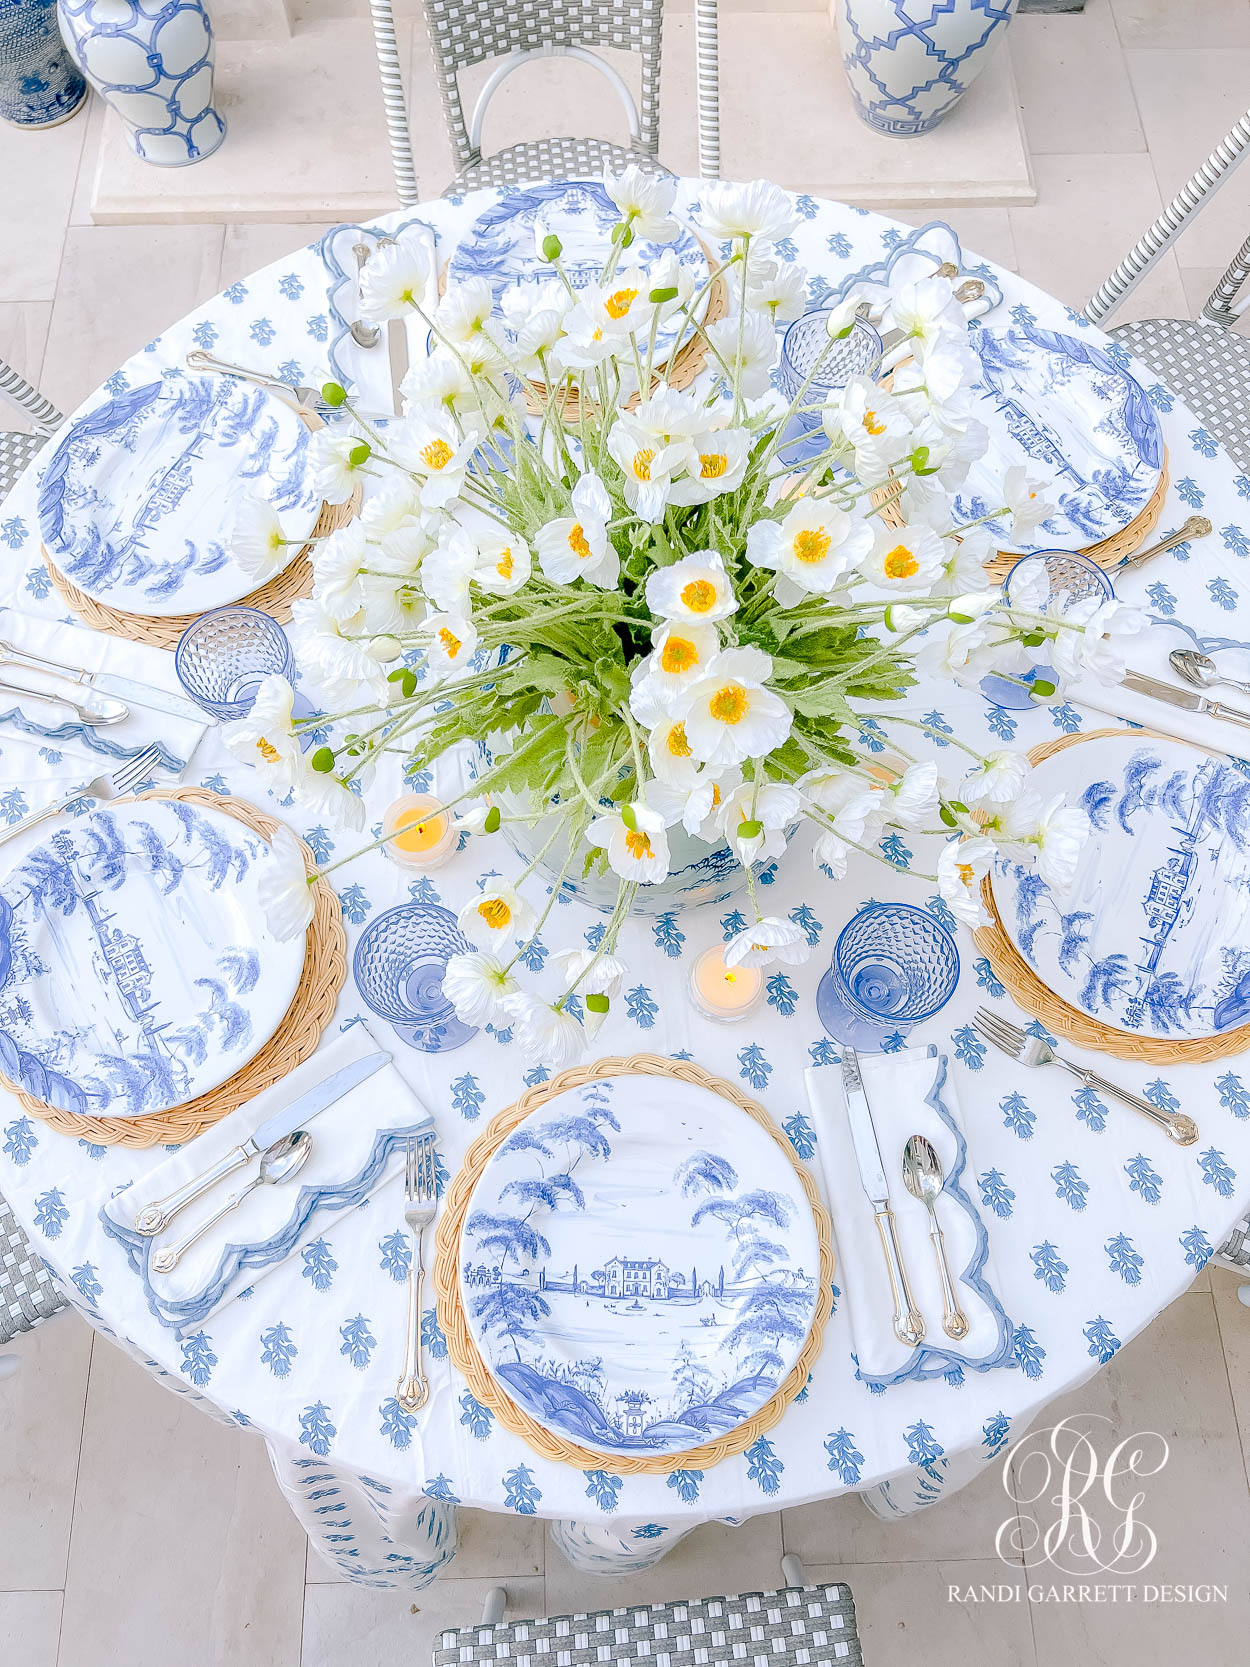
{"x":16,"y":448}
{"x":544,"y":28}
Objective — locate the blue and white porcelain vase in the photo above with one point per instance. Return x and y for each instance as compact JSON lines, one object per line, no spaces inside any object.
{"x":152,"y":62}
{"x":39,"y":84}
{"x":911,"y":61}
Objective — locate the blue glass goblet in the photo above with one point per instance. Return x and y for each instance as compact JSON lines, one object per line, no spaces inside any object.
{"x":1072,"y":579}
{"x":801,"y":348}
{"x":893,"y":965}
{"x":398,"y":968}
{"x":223,"y":657}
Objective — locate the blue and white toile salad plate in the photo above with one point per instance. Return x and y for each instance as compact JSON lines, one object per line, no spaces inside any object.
{"x":1064,"y":408}
{"x":136,"y":971}
{"x":639,"y":1265}
{"x":1153,"y":934}
{"x":502,"y":244}
{"x":136,"y":501}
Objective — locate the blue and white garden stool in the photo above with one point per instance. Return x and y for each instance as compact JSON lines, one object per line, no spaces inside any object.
{"x":910,"y":61}
{"x":152,"y":62}
{"x":39,"y":83}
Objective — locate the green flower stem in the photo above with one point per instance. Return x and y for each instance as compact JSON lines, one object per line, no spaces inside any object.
{"x":575,"y":831}
{"x":624,"y":897}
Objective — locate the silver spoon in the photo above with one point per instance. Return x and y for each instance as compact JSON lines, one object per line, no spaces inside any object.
{"x":922,"y":1174}
{"x":108,"y":711}
{"x":277,"y":1164}
{"x":1196,"y":527}
{"x":1201,"y":671}
{"x":364,"y":335}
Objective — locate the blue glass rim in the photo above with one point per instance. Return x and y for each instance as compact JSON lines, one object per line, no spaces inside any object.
{"x":940,"y":938}
{"x":1097,"y":575}
{"x":197,"y":639}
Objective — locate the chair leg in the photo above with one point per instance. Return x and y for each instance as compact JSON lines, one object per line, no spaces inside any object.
{"x":792,"y":1570}
{"x":707,"y":79}
{"x":9,"y":1364}
{"x":393,"y":103}
{"x":494,"y":1605}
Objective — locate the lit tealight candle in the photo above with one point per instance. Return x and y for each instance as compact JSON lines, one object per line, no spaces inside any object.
{"x":724,"y":993}
{"x":419,"y":832}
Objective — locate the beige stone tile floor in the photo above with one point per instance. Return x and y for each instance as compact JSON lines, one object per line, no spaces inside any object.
{"x":135,"y":1532}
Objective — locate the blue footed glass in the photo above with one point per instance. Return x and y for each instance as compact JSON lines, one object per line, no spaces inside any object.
{"x":223,"y":657}
{"x":1072,"y":579}
{"x":398,"y":968}
{"x":39,"y":84}
{"x":893,"y":965}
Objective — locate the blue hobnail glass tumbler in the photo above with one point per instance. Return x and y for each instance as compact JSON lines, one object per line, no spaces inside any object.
{"x":893,"y":965}
{"x":1072,"y":579}
{"x":398,"y":970}
{"x":223,"y":657}
{"x":801,"y":347}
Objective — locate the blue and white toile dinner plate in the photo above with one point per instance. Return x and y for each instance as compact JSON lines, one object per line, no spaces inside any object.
{"x":639,"y":1265}
{"x":501,"y":244}
{"x":136,"y":971}
{"x":136,"y":501}
{"x":1153,"y":934}
{"x":1064,"y":408}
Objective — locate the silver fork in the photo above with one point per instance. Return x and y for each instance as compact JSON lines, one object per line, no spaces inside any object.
{"x":308,"y":399}
{"x":1031,"y":1050}
{"x":413,"y":1391}
{"x":124,"y":780}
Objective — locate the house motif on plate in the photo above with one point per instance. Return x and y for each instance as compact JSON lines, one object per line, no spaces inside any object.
{"x":478,"y":1274}
{"x":625,"y":1277}
{"x":632,"y":1403}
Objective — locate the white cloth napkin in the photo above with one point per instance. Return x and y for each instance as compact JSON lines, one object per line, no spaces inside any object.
{"x":44,"y":750}
{"x":909,"y":1092}
{"x":353,"y":1141}
{"x":368,"y":369}
{"x":1199,"y":727}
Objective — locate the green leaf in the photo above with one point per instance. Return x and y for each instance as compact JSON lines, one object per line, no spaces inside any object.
{"x":597,"y":1003}
{"x":552,"y":247}
{"x":333,"y":393}
{"x":323,"y":760}
{"x":492,"y":821}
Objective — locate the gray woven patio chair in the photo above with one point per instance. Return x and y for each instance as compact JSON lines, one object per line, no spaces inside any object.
{"x":16,"y":450}
{"x":799,"y":1626}
{"x":28,"y":1292}
{"x":1201,"y":359}
{"x":1234,"y":1253}
{"x":468,"y":32}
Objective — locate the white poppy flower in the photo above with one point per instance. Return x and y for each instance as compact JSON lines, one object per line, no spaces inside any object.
{"x":594,"y":975}
{"x":671,"y":415}
{"x":925,"y":311}
{"x":504,"y":562}
{"x":394,"y":507}
{"x":335,"y":460}
{"x":1062,"y":833}
{"x":870,"y":420}
{"x":546,"y":1034}
{"x":996,"y":780}
{"x":463,"y":313}
{"x":647,"y":468}
{"x":497,"y":913}
{"x":855,"y":805}
{"x":963,"y":653}
{"x":453,"y":641}
{"x":905,"y":559}
{"x":282,"y":887}
{"x":441,"y":379}
{"x":778,"y":289}
{"x":640,"y":853}
{"x":619,"y":308}
{"x":696,"y":589}
{"x":1024,"y":494}
{"x":680,"y":653}
{"x":671,"y":758}
{"x":577,"y":546}
{"x":333,"y":655}
{"x":337,"y":567}
{"x":715,"y":462}
{"x":912,"y":800}
{"x":264,"y":736}
{"x":960,"y":866}
{"x":730,"y":714}
{"x":828,"y":851}
{"x":759,"y":210}
{"x":448,"y":568}
{"x":397,"y":278}
{"x":770,"y":939}
{"x":430,"y":444}
{"x":331,"y":800}
{"x":815,"y":546}
{"x":477,"y":985}
{"x":749,"y":350}
{"x":645,"y":202}
{"x":257,"y":543}
{"x":1098,"y":648}
{"x":773,"y":806}
{"x":694,"y":801}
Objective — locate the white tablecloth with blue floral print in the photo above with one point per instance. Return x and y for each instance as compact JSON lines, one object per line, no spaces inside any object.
{"x":1096,"y":1221}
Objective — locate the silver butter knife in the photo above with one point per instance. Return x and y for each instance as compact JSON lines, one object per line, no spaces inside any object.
{"x":143,"y":694}
{"x":158,"y":1214}
{"x":908,"y":1320}
{"x":1154,"y":688}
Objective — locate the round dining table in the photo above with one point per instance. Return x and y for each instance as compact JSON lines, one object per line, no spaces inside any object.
{"x":1095,"y":1220}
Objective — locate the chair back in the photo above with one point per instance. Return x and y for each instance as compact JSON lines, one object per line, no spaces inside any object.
{"x":468,"y":32}
{"x":18,"y":391}
{"x":28,"y":1292}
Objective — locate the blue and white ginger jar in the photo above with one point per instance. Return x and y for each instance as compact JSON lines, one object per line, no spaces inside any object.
{"x":910,"y":61}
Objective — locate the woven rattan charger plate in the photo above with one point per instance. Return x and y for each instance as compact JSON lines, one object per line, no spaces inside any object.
{"x":452,"y":1319}
{"x":311,"y":1009}
{"x":274,"y":597}
{"x":1033,"y":997}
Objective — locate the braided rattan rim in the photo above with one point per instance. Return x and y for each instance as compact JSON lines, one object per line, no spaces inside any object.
{"x":451,"y":1315}
{"x":1033,"y":997}
{"x":1109,"y":552}
{"x":311,"y":1009}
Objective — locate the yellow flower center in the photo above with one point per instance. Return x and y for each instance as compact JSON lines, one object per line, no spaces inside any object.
{"x":619,"y":302}
{"x":268,"y":751}
{"x":495,"y":912}
{"x":715,"y":795}
{"x":966,"y":874}
{"x":900,"y":563}
{"x":872,"y":423}
{"x":677,"y":742}
{"x":699,"y":595}
{"x":729,"y":705}
{"x":449,"y":642}
{"x":504,"y":565}
{"x":638,"y":844}
{"x":598,"y":335}
{"x":642,"y":464}
{"x":679,"y":655}
{"x":578,"y":542}
{"x":437,"y":455}
{"x":812,"y":545}
{"x":712,"y":465}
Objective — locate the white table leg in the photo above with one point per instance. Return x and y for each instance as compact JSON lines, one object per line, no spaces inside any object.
{"x":599,"y":1548}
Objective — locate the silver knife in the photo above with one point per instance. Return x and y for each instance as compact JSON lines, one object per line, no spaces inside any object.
{"x":143,"y":694}
{"x":396,"y":347}
{"x":298,"y":1114}
{"x":908,"y":1320}
{"x":1154,"y":688}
